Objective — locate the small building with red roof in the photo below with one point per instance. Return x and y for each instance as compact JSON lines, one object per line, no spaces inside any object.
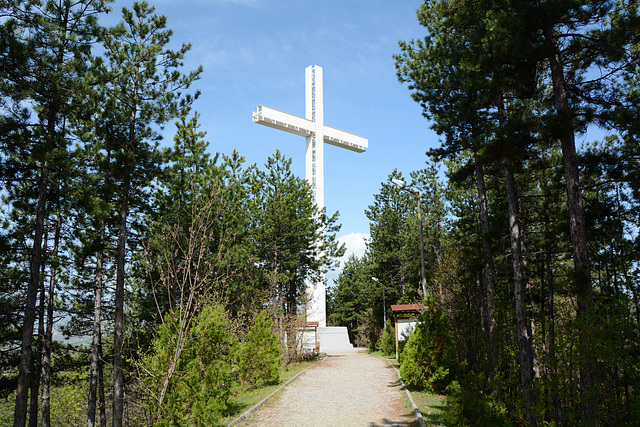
{"x":405,"y":317}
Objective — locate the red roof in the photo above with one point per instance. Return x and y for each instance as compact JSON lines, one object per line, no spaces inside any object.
{"x":406,"y":307}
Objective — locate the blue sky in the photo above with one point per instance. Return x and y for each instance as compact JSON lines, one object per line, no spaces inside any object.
{"x":254,"y":52}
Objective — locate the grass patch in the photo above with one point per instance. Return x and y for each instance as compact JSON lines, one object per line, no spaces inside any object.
{"x":431,"y":405}
{"x":381,"y":354}
{"x":245,"y":399}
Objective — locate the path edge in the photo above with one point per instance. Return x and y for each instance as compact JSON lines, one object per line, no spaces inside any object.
{"x":266,"y":399}
{"x":416,"y":410}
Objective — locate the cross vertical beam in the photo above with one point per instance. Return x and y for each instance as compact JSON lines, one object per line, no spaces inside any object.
{"x":315,"y":148}
{"x":316,"y":310}
{"x":312,"y":127}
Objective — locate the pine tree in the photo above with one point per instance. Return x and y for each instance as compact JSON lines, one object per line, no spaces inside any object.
{"x":144,"y":88}
{"x":481,"y":75}
{"x":395,"y":245}
{"x":293,"y":240}
{"x":46,"y":48}
{"x":354,"y":296}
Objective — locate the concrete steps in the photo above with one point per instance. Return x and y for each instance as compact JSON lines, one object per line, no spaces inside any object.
{"x":334,"y":338}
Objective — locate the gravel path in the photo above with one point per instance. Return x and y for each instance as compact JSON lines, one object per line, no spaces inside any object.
{"x":346,"y":389}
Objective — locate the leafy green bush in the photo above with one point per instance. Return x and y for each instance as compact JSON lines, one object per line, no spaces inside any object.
{"x":7,"y":408}
{"x":468,"y":407}
{"x":388,"y":345}
{"x":199,"y":388}
{"x":374,"y":344}
{"x":401,"y":345}
{"x":68,"y":403}
{"x":427,"y":356}
{"x":260,"y":357}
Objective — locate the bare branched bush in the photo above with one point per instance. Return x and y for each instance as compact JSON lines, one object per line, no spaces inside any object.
{"x":187,"y":268}
{"x":294,"y":327}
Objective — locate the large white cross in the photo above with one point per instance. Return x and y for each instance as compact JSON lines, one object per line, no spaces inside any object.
{"x":312,"y":127}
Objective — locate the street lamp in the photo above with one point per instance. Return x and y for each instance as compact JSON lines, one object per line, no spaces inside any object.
{"x":384,"y":304}
{"x":403,"y":186}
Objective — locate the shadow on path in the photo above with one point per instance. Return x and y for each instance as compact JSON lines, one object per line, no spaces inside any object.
{"x":410,"y":422}
{"x":346,"y":389}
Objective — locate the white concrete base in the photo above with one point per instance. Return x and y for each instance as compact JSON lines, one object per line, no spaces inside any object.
{"x":334,"y":338}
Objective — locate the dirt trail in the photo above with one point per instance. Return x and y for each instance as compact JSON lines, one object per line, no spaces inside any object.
{"x":347,"y":389}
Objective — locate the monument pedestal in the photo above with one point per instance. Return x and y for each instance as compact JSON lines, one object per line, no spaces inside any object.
{"x":334,"y":338}
{"x":322,"y":339}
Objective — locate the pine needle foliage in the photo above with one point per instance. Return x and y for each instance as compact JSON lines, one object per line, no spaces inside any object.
{"x":259,"y":360}
{"x":427,"y":355}
{"x":388,"y":342}
{"x":201,"y":385}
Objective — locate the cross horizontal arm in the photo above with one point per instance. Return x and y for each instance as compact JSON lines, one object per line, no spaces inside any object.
{"x":300,"y":126}
{"x":343,"y":139}
{"x":283,"y":121}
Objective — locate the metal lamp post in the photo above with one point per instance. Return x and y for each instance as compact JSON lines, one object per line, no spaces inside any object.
{"x":384,"y":304}
{"x":403,"y":186}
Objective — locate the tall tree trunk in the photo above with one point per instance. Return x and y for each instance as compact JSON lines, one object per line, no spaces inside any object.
{"x":53,"y":106}
{"x":588,"y":369}
{"x":103,"y":402}
{"x":37,"y":365}
{"x":22,"y":389}
{"x":525,"y":350}
{"x":636,"y":301}
{"x":118,"y":333}
{"x":46,"y":351}
{"x":489,"y":273}
{"x":97,"y":332}
{"x":437,"y":249}
{"x":551,"y":362}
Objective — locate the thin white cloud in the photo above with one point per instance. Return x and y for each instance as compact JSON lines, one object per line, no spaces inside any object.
{"x":356,"y":244}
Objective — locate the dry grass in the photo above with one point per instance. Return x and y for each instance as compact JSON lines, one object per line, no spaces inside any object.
{"x":247,"y":398}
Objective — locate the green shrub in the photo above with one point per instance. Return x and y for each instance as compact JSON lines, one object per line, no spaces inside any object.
{"x":427,"y":355}
{"x":200,"y":387}
{"x":373,"y":345}
{"x":467,"y":407}
{"x":259,"y":360}
{"x":7,"y":408}
{"x":388,"y":345}
{"x":69,"y":404}
{"x":401,"y":345}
